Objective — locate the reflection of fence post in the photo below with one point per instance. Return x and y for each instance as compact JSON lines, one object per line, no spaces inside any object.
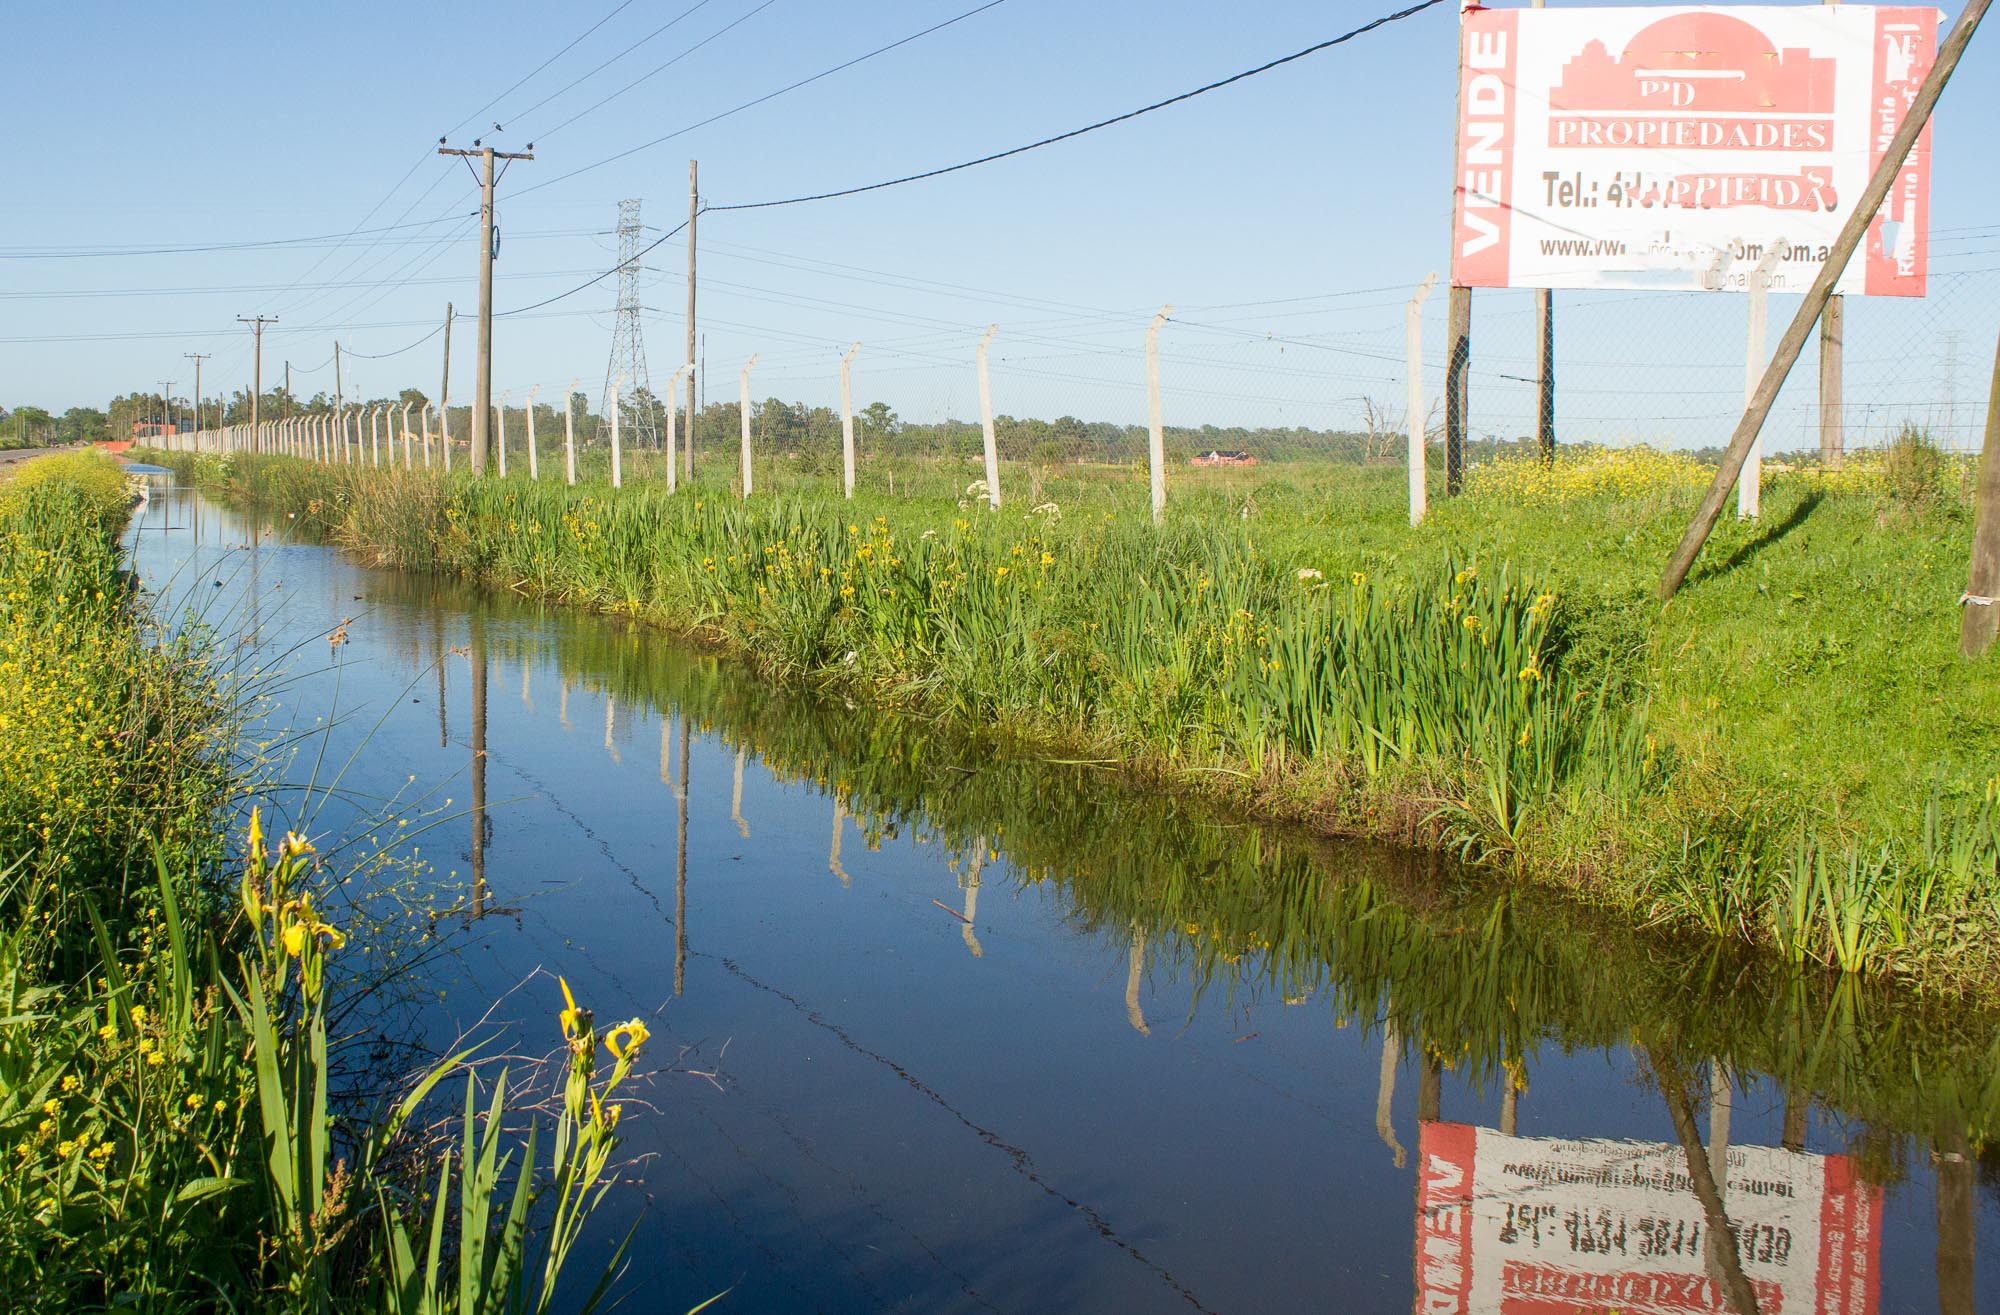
{"x":833,"y":847}
{"x":673,"y":429}
{"x":736,"y":797}
{"x":743,"y":413}
{"x":986,"y":421}
{"x":1413,"y":339}
{"x":534,"y":462}
{"x":1135,"y":976}
{"x":1156,"y":441}
{"x":569,"y":430}
{"x":847,"y":420}
{"x":1385,"y":1085}
{"x":1747,"y":489}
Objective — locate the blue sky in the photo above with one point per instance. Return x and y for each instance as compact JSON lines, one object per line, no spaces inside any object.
{"x":1284,"y":217}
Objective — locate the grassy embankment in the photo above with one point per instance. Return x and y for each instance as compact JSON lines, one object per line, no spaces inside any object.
{"x":169,"y":1135}
{"x":1790,"y":754}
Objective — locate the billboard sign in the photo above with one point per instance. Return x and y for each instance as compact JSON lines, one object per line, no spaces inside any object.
{"x":1671,"y":147}
{"x":1578,"y":1226}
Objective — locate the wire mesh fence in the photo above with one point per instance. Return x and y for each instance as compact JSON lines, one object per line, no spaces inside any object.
{"x":1274,"y":387}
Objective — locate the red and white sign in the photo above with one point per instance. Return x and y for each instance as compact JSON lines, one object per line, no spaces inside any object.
{"x":1553,"y":1226}
{"x":1671,"y":147}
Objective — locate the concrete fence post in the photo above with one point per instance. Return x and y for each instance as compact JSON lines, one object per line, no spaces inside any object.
{"x":847,"y":419}
{"x":743,"y":413}
{"x":986,"y":421}
{"x":1156,"y":434}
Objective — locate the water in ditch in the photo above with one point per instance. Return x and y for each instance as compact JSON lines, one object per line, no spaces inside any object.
{"x":939,"y":1027}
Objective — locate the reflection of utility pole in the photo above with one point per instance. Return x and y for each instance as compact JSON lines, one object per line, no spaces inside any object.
{"x":1796,"y":1104}
{"x":833,"y":849}
{"x":1510,"y":1104}
{"x":437,"y":630}
{"x":681,"y":871}
{"x":1385,"y":1086}
{"x":478,"y":766}
{"x":611,"y":706}
{"x":1721,"y":1099}
{"x":736,"y":798}
{"x":1956,"y":1224}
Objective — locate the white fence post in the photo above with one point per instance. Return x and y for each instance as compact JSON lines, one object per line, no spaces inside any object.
{"x":407,"y":463}
{"x":502,"y":409}
{"x":1748,"y":490}
{"x":673,"y":436}
{"x":847,"y":419}
{"x":1413,"y":346}
{"x":743,"y":412}
{"x":534,"y":465}
{"x":569,"y":429}
{"x":986,"y":421}
{"x":617,"y":475}
{"x":444,"y":434}
{"x":424,"y":422}
{"x":1156,"y":437}
{"x":375,"y":435}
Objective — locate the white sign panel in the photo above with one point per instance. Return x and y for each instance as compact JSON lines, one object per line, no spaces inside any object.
{"x":1671,"y":147}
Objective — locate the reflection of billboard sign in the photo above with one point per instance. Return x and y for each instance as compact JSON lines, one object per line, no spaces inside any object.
{"x":1667,"y":147}
{"x":1549,"y":1226}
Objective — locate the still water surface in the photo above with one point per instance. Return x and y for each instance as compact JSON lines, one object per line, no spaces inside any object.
{"x":943,"y":1029}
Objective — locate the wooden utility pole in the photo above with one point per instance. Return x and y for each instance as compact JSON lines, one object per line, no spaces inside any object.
{"x":257,"y":324}
{"x":197,"y":358}
{"x":1851,"y":234}
{"x":1832,"y":425}
{"x":1979,"y":609}
{"x":1458,"y":307}
{"x":694,"y":212}
{"x":444,"y":390}
{"x":1545,"y":367}
{"x":482,"y":374}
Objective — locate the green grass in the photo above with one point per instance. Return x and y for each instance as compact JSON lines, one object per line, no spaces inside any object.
{"x":1787,"y":754}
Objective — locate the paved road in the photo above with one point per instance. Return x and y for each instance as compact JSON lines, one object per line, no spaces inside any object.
{"x":23,"y":453}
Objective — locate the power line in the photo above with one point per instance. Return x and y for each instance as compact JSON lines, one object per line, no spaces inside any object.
{"x":769,"y":95}
{"x":1343,"y":38}
{"x":644,"y":77}
{"x":383,"y":356}
{"x":539,"y":67}
{"x":613,"y":60}
{"x":596,"y":279}
{"x":337,"y":239}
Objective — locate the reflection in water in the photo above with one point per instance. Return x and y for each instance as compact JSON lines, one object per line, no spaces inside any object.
{"x":1132,"y":929}
{"x":1517,"y":1225}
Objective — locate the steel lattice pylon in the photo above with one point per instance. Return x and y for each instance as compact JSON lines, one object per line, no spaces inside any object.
{"x":638,"y":409}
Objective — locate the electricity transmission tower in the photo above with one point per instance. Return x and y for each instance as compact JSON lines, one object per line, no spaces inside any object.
{"x":628,"y":346}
